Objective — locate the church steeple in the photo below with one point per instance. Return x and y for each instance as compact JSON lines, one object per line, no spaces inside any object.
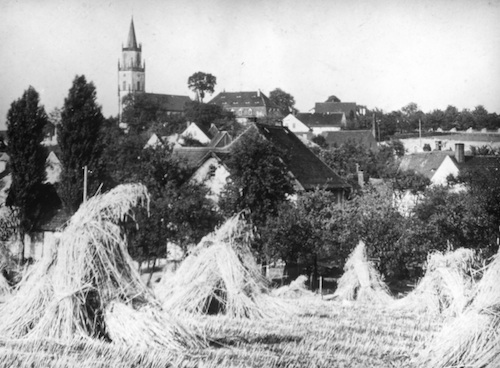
{"x":131,"y":69}
{"x":131,"y":42}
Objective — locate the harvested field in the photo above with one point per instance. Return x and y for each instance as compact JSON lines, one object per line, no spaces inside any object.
{"x":317,"y":334}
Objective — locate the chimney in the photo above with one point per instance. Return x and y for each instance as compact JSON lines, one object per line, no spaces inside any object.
{"x":258,"y":93}
{"x":460,"y":152}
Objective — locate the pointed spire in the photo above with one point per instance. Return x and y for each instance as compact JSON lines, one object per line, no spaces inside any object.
{"x":131,"y":42}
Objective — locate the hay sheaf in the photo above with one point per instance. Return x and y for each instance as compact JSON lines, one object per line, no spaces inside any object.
{"x":361,"y":281}
{"x":446,"y":286}
{"x":296,"y":289}
{"x":65,"y":296}
{"x":221,"y":276}
{"x":472,"y":339}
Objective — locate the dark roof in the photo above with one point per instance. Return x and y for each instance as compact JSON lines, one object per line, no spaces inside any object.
{"x":483,"y":162}
{"x":172,"y":103}
{"x":192,"y":156}
{"x":221,"y":139}
{"x":309,"y":170}
{"x":320,"y":120}
{"x":243,"y":99}
{"x":425,"y":163}
{"x":131,"y":41}
{"x":362,"y":137}
{"x":331,"y":107}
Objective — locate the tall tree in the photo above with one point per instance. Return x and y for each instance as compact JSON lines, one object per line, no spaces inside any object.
{"x":284,"y":100}
{"x":80,"y":142}
{"x":201,"y":83}
{"x":259,"y":179}
{"x":25,"y":124}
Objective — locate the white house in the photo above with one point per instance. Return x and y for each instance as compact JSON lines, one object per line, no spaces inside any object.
{"x":213,"y":174}
{"x":199,"y":133}
{"x":316,"y":124}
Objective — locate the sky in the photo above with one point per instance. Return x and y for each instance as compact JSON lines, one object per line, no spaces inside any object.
{"x":378,"y":53}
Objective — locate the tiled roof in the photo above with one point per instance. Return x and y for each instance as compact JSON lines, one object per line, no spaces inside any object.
{"x":309,"y":170}
{"x":243,"y":99}
{"x":484,"y":162}
{"x":331,"y":107}
{"x":320,"y":120}
{"x":362,"y":137}
{"x":424,"y":163}
{"x":221,"y":139}
{"x":173,"y":103}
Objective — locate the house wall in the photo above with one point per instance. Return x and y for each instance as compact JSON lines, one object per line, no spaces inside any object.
{"x":319,"y":130}
{"x":214,"y":176}
{"x":294,"y":124}
{"x":413,"y":145}
{"x":446,"y":168}
{"x":194,"y":132}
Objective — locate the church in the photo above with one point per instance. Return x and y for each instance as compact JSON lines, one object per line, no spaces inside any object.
{"x":132,"y":78}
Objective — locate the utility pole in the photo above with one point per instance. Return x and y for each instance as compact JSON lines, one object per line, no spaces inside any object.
{"x":420,"y":132}
{"x":85,"y":173}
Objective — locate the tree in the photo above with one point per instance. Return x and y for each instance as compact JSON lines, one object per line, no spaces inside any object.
{"x":201,"y":83}
{"x":259,"y":180}
{"x":144,"y":112}
{"x":80,"y":143}
{"x":25,"y":124}
{"x":283,"y":100}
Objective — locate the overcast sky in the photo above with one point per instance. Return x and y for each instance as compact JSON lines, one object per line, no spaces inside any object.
{"x":381,"y":54}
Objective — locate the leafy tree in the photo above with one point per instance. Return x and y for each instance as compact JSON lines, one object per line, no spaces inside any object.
{"x":201,"y":83}
{"x":143,"y":112}
{"x":410,"y":180}
{"x":180,"y":212}
{"x":320,"y":141}
{"x":26,"y":120}
{"x":427,"y":147}
{"x":259,"y":180}
{"x":208,"y":114}
{"x":80,"y":143}
{"x":284,"y":100}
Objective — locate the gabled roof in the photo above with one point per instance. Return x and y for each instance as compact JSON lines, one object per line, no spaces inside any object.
{"x":425,"y":163}
{"x":321,"y":120}
{"x":362,"y":137}
{"x":221,"y":139}
{"x":309,"y":170}
{"x":243,"y":99}
{"x":331,"y":107}
{"x":174,"y":103}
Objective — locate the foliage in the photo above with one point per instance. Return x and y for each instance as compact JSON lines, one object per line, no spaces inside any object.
{"x":283,"y":100}
{"x":208,"y":114}
{"x":143,"y":112}
{"x":201,"y":83}
{"x":80,"y":142}
{"x":26,"y":120}
{"x":179,"y":213}
{"x":427,"y":147}
{"x":455,"y":218}
{"x":259,"y":179}
{"x":320,"y":141}
{"x":410,"y":180}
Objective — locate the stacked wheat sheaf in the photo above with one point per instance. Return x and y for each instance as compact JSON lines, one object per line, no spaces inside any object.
{"x":89,"y":289}
{"x":221,"y":276}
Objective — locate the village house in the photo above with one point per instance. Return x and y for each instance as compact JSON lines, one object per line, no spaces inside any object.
{"x":306,"y":169}
{"x":305,"y":123}
{"x":247,"y":106}
{"x":438,"y":166}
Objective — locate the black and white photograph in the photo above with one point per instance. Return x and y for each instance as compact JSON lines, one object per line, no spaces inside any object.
{"x":250,"y":183}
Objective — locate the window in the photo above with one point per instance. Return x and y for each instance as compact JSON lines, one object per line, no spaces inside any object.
{"x":138,"y":85}
{"x":124,"y":86}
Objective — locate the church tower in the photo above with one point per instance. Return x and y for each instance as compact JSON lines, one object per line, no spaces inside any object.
{"x":131,"y":70}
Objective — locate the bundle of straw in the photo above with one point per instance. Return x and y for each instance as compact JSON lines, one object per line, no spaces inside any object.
{"x":446,"y":286}
{"x":65,"y":295}
{"x":472,"y":339}
{"x":296,"y":289}
{"x":220,"y":276}
{"x":4,"y":286}
{"x":361,"y":281}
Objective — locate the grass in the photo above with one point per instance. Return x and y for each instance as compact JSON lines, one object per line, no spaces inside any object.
{"x":317,"y":334}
